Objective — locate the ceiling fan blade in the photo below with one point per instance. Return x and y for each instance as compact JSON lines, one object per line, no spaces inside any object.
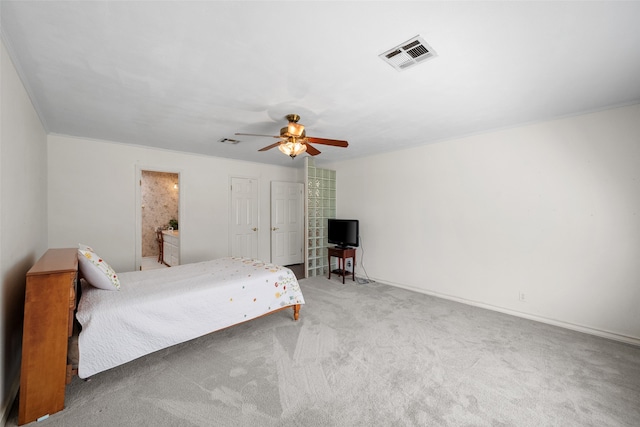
{"x":334,"y":142}
{"x":311,"y":150}
{"x":255,"y":134}
{"x":269,"y":147}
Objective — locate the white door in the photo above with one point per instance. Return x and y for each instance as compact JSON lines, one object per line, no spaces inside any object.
{"x":244,"y":217}
{"x":287,"y":219}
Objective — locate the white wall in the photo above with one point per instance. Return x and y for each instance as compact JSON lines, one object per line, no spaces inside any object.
{"x":23,"y":216}
{"x":550,"y":210}
{"x":92,"y":198}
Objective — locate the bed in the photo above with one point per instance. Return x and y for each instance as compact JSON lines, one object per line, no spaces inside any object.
{"x":156,"y":309}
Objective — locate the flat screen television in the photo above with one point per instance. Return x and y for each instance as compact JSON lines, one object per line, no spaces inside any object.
{"x":344,"y":233}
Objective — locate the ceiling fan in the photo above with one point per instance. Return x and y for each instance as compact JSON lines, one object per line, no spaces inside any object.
{"x":294,"y":140}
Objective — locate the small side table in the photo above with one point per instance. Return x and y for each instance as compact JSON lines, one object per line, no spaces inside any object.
{"x":343,"y":254}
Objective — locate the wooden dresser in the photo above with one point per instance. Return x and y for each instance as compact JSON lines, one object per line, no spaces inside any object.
{"x":50,"y":300}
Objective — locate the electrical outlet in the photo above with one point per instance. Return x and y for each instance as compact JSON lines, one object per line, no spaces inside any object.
{"x":349,"y":263}
{"x":521,"y":296}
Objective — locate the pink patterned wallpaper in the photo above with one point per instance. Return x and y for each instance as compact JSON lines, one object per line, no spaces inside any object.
{"x":159,"y":205}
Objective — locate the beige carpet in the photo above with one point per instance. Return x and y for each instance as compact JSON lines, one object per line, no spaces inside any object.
{"x":370,"y":355}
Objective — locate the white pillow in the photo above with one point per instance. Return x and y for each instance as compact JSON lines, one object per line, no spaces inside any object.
{"x":96,"y":271}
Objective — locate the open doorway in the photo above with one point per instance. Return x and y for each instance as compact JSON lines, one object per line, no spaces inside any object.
{"x":159,"y":212}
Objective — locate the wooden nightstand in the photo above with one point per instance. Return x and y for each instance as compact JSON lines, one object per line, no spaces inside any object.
{"x":343,"y":254}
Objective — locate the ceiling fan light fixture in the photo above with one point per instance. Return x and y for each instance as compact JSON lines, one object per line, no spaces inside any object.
{"x":294,"y":140}
{"x":292,"y":148}
{"x":295,"y":129}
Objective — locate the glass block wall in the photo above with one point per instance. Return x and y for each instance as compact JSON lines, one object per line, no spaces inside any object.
{"x":321,"y":205}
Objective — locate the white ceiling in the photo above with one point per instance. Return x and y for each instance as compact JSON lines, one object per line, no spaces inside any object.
{"x":182,"y":75}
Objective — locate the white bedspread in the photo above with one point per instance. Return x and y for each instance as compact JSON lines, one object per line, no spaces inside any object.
{"x":155,"y":309}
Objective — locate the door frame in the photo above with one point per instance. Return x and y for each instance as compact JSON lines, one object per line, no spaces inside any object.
{"x":138,"y":206}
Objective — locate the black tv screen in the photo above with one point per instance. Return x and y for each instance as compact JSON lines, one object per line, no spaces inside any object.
{"x":344,"y":232}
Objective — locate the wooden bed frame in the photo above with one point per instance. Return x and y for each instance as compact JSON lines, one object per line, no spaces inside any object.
{"x":49,"y":339}
{"x":73,"y":356}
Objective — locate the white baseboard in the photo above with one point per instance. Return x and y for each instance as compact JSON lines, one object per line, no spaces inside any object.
{"x":10,"y":398}
{"x":579,"y":328}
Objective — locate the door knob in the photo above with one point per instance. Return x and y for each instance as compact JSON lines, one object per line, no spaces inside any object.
{"x":275,"y":228}
{"x":255,"y":229}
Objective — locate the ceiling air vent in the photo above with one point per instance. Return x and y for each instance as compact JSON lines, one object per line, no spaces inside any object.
{"x":228,"y":141}
{"x":410,"y":53}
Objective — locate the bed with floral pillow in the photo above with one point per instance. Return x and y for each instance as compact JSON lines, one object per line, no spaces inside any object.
{"x":154,"y":309}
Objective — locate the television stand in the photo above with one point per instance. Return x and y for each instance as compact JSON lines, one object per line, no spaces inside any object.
{"x":343,"y":254}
